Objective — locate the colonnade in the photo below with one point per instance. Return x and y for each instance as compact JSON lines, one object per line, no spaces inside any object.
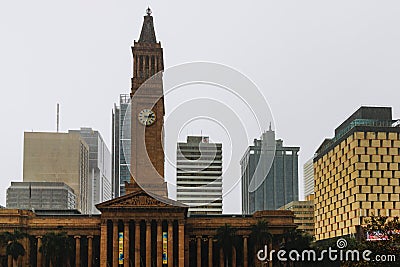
{"x":40,"y":261}
{"x":209,"y":240}
{"x":124,"y":226}
{"x":137,"y":233}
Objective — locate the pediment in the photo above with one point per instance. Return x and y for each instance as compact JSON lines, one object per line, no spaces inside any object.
{"x":138,"y":200}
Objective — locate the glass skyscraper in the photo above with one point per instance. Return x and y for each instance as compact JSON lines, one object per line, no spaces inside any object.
{"x":278,"y":185}
{"x":121,"y":145}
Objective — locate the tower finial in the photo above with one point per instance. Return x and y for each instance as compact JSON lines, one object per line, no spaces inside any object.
{"x":270,"y":126}
{"x":148,"y":11}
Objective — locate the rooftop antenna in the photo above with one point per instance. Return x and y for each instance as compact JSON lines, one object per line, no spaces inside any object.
{"x":58,"y":117}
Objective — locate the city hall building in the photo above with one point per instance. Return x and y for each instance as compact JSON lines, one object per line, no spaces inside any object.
{"x":142,"y":227}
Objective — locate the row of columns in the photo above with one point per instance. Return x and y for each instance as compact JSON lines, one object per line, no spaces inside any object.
{"x":39,"y":258}
{"x":221,"y":253}
{"x":137,"y":249}
{"x":144,"y":65}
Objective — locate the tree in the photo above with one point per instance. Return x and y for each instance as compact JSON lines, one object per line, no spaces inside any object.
{"x":260,"y":236}
{"x":14,"y":248}
{"x":226,"y":239}
{"x":56,"y":247}
{"x":298,"y":240}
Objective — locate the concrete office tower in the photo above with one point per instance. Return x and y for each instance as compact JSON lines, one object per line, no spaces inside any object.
{"x":121,"y":145}
{"x":199,"y":175}
{"x":357,"y":173}
{"x":58,"y":157}
{"x":41,"y":196}
{"x":99,"y":167}
{"x":280,"y":185}
{"x":308,"y":176}
{"x":303,"y":214}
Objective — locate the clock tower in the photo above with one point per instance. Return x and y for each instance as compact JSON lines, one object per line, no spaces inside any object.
{"x":147,"y":109}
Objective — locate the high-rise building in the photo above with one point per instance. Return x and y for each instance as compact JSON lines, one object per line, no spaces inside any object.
{"x":279,"y":185}
{"x":303,"y":215}
{"x":199,"y":175}
{"x":99,"y":167}
{"x":121,"y":145}
{"x":40,"y":196}
{"x":357,"y":173}
{"x":58,"y":157}
{"x":308,"y":176}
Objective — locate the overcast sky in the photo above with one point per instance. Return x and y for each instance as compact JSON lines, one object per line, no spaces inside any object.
{"x":315,"y":61}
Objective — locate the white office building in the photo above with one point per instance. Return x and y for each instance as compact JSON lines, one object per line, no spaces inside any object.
{"x":199,"y":175}
{"x":308,"y":176}
{"x":99,"y":168}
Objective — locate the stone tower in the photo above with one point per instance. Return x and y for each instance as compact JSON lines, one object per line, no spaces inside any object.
{"x":147,"y":154}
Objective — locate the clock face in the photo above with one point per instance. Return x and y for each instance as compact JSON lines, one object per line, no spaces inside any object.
{"x":147,"y":117}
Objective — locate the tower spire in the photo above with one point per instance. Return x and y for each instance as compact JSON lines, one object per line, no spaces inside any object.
{"x":148,"y":34}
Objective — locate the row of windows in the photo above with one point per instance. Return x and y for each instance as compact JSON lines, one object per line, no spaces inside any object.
{"x":201,"y":174}
{"x":211,"y":189}
{"x":193,"y":201}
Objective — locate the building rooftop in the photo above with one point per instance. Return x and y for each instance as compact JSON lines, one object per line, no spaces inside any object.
{"x":364,"y":119}
{"x":34,"y":185}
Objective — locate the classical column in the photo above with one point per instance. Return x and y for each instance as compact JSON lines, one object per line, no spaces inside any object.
{"x":77,"y":251}
{"x":210,"y":251}
{"x":245,"y":251}
{"x":159,"y":243}
{"x":39,"y":254}
{"x":270,"y":249}
{"x":181,"y":243}
{"x":126,"y":243}
{"x":135,"y":65}
{"x":115,"y":244}
{"x":137,"y":243}
{"x":186,"y":250}
{"x":148,"y":243}
{"x":221,"y":257}
{"x":90,"y":250}
{"x":170,"y":244}
{"x":198,"y":238}
{"x":103,"y":244}
{"x":233,"y":256}
{"x":27,"y":256}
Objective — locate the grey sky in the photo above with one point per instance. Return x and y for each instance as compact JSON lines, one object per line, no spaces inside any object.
{"x":315,"y":61}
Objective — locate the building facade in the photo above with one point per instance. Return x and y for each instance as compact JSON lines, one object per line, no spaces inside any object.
{"x":134,"y":228}
{"x":99,"y":167}
{"x":303,"y":215}
{"x":279,"y":185}
{"x":40,"y":196}
{"x":357,"y":173}
{"x":199,"y":175}
{"x":58,"y":157}
{"x":142,"y":228}
{"x":308,"y":176}
{"x":121,"y":145}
